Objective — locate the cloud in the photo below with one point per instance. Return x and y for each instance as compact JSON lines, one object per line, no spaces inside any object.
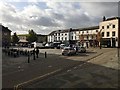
{"x":54,"y":15}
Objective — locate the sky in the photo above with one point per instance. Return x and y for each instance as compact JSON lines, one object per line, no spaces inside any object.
{"x":45,"y":16}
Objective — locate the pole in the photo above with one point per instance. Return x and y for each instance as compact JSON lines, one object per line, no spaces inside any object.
{"x":28,"y":57}
{"x":118,"y":34}
{"x":45,"y":54}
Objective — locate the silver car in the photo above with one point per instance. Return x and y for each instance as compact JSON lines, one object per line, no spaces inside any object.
{"x":68,"y":51}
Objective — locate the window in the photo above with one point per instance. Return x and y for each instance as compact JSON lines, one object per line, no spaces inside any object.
{"x":75,"y":37}
{"x":62,"y":38}
{"x":65,"y":38}
{"x":87,"y":31}
{"x":108,"y":34}
{"x":62,"y":34}
{"x":113,"y":26}
{"x":5,"y":34}
{"x":102,"y":27}
{"x":107,"y":27}
{"x":65,"y":34}
{"x":113,"y":33}
{"x":96,"y":30}
{"x":58,"y":38}
{"x":102,"y":34}
{"x":82,"y":31}
{"x":72,"y":37}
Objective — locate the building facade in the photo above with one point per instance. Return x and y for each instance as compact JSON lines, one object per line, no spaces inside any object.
{"x":6,"y":36}
{"x":73,"y":36}
{"x":106,"y":34}
{"x":109,"y":31}
{"x":23,"y":38}
{"x":41,"y":38}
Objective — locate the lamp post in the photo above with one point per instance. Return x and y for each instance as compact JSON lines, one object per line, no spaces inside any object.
{"x":118,"y":34}
{"x":111,"y":42}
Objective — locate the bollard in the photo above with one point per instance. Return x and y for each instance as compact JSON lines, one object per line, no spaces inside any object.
{"x":45,"y":55}
{"x":28,"y":57}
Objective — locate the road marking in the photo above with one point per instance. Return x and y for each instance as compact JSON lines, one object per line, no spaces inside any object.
{"x":18,"y":85}
{"x":75,"y":67}
{"x":49,"y":66}
{"x":68,"y":70}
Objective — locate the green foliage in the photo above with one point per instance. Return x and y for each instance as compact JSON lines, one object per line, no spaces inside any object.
{"x":32,"y":36}
{"x":15,"y":38}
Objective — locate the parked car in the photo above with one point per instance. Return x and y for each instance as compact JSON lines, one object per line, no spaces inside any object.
{"x":48,"y":45}
{"x":62,"y":46}
{"x":68,"y":51}
{"x":81,"y":49}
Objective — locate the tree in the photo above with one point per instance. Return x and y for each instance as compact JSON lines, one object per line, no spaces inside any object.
{"x":32,"y":36}
{"x":15,"y":38}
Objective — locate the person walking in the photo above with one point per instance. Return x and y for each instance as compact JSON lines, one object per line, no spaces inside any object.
{"x":37,"y":52}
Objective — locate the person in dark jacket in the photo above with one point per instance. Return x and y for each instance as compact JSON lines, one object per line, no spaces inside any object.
{"x":37,"y":52}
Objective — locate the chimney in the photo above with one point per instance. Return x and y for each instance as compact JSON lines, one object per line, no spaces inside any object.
{"x":70,"y":29}
{"x":104,"y":18}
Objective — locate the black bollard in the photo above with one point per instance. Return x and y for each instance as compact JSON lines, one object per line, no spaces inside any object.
{"x":45,"y":55}
{"x":28,"y":57}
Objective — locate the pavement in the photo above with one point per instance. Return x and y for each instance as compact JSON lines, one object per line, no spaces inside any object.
{"x":90,"y":69}
{"x":99,"y":72}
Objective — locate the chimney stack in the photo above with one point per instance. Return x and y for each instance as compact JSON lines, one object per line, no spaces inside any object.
{"x":104,"y":18}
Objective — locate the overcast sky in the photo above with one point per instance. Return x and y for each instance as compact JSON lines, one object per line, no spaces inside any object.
{"x":45,"y":16}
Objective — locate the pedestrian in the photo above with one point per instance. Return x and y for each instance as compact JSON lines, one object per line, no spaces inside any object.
{"x":34,"y":54}
{"x":37,"y":52}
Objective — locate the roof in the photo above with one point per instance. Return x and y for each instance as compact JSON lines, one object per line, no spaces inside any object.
{"x":52,"y":32}
{"x":89,"y":28}
{"x":112,"y":18}
{"x":5,"y":28}
{"x":79,"y":29}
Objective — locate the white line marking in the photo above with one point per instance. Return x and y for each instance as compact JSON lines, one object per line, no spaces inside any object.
{"x":68,"y":70}
{"x":17,"y":86}
{"x":75,"y":67}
